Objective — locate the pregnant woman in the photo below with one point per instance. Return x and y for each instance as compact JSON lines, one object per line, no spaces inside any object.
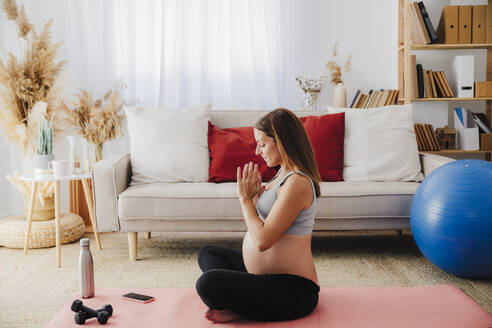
{"x":273,"y":277}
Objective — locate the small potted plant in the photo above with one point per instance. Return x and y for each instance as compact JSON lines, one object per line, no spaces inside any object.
{"x":44,"y":145}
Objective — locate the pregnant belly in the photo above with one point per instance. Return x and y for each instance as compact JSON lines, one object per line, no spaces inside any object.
{"x":290,"y":255}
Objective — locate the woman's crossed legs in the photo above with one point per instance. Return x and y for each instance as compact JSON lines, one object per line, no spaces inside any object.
{"x":231,"y":292}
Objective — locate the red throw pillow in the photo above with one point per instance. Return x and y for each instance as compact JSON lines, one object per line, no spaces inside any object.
{"x":230,"y":148}
{"x":327,"y":134}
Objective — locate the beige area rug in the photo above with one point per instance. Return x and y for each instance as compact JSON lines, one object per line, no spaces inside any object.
{"x":33,"y":289}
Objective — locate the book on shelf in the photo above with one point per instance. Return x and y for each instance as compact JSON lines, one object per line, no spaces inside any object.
{"x":426,"y":137}
{"x":415,"y":85}
{"x":356,"y":98}
{"x":446,"y":84}
{"x":421,"y":22}
{"x":433,"y":84}
{"x":430,"y":84}
{"x":375,"y":98}
{"x":427,"y":84}
{"x":439,"y":86}
{"x":417,"y":33}
{"x":420,"y":80}
{"x":427,"y":22}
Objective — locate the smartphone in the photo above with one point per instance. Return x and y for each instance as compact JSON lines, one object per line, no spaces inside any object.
{"x":139,"y":298}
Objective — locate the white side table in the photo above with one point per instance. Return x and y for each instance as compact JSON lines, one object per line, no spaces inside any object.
{"x":34,"y":179}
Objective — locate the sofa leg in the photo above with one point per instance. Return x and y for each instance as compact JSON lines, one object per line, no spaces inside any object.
{"x":147,"y":235}
{"x":132,"y":245}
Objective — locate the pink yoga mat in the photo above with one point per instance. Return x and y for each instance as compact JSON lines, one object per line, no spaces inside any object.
{"x":428,"y":306}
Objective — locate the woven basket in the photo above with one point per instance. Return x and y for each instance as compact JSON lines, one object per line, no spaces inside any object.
{"x":43,"y":234}
{"x":40,"y":212}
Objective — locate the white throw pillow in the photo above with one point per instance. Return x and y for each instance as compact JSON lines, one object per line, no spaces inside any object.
{"x":380,"y":144}
{"x":168,"y":146}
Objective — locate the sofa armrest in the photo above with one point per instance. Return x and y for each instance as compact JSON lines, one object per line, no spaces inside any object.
{"x":430,"y":162}
{"x":110,"y":177}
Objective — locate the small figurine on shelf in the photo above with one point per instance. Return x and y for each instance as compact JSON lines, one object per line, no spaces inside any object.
{"x":446,"y":137}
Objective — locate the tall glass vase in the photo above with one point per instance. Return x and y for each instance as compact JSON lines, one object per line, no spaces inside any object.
{"x":98,"y":148}
{"x":311,"y":99}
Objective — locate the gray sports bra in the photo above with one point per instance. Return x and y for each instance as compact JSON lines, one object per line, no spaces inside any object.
{"x":303,"y":223}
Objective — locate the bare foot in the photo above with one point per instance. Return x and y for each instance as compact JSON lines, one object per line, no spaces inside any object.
{"x":221,"y":315}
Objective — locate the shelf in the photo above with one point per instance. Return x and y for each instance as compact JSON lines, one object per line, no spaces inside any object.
{"x":450,"y":46}
{"x":449,"y":99}
{"x":457,"y":151}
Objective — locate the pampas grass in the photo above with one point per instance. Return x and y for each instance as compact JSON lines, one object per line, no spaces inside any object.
{"x":97,"y":121}
{"x":334,"y":67}
{"x":27,"y":80}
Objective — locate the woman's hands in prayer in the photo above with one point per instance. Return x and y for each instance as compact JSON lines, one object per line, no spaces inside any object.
{"x":248,"y":182}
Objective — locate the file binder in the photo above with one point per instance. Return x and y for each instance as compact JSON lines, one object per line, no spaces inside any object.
{"x":447,"y":30}
{"x":478,"y":24}
{"x":466,"y":130}
{"x":465,"y":27}
{"x":488,"y":24}
{"x":463,"y":76}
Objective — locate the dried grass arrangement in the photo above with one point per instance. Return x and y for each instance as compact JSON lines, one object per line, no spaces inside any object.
{"x":27,"y":80}
{"x":97,"y":121}
{"x":334,"y":67}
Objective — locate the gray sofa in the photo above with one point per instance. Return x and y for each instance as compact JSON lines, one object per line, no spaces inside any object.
{"x":190,"y":206}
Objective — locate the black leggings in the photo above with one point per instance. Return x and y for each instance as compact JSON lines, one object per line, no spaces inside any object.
{"x":225,"y":284}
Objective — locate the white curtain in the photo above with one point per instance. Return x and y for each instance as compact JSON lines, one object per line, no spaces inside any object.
{"x":234,"y":54}
{"x":170,"y":53}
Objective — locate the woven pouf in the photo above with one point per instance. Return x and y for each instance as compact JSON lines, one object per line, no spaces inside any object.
{"x":43,"y":234}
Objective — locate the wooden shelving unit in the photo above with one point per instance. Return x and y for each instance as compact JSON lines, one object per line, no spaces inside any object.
{"x":405,"y":48}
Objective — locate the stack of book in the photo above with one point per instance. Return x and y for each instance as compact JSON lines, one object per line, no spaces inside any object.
{"x":426,"y":137}
{"x":375,"y":98}
{"x":421,"y":31}
{"x":428,"y":83}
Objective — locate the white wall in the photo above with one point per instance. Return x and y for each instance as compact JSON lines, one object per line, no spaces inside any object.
{"x":366,"y":29}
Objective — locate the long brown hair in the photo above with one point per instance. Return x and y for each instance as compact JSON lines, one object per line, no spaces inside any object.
{"x":295,"y":148}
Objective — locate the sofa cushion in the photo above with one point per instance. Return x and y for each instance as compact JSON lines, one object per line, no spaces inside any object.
{"x":380,"y":144}
{"x":230,"y":148}
{"x":156,"y":201}
{"x":168,"y":146}
{"x":326,"y":134}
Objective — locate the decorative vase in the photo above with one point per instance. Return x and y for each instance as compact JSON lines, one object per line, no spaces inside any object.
{"x":311,"y":99}
{"x":340,"y":96}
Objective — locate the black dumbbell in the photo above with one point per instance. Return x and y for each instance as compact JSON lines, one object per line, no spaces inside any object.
{"x":108,"y":308}
{"x":82,"y":313}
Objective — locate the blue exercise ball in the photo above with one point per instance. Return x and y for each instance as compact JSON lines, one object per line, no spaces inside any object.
{"x":451,"y":218}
